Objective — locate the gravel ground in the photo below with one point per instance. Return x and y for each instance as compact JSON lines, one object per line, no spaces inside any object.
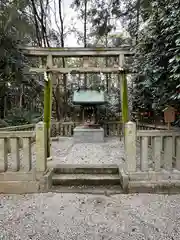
{"x":89,"y":217}
{"x":109,"y":152}
{"x":61,"y":148}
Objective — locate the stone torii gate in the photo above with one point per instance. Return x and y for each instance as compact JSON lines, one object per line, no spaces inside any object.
{"x":49,"y":68}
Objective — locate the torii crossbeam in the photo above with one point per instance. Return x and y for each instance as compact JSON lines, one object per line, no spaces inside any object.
{"x":51,"y":53}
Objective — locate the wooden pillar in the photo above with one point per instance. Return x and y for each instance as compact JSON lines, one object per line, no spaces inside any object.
{"x":50,"y":76}
{"x":124,"y":98}
{"x":124,"y":91}
{"x":48,"y":103}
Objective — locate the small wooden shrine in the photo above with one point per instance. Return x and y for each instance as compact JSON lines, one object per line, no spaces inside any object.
{"x":88,"y":100}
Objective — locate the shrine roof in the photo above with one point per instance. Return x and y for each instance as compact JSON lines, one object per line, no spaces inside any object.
{"x":82,"y":97}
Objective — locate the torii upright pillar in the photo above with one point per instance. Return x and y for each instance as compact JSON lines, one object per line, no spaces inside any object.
{"x":124,"y":91}
{"x":48,"y":103}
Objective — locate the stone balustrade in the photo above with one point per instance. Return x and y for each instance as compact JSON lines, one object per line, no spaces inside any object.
{"x":26,"y":127}
{"x":10,"y":144}
{"x":111,"y":129}
{"x":151,"y":165}
{"x":20,"y":170}
{"x":152,"y":159}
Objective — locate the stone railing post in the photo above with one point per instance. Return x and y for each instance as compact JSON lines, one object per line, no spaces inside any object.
{"x":41,"y":147}
{"x":177,"y":148}
{"x":130,"y":146}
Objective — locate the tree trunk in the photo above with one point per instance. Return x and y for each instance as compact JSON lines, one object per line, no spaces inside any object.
{"x":107,"y":75}
{"x":63,"y":59}
{"x":21,"y":96}
{"x":138,"y":6}
{"x":85,"y":36}
{"x":40,"y":19}
{"x":2,"y":107}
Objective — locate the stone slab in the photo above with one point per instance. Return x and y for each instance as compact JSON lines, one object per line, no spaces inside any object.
{"x":106,"y":190}
{"x":26,"y":183}
{"x":19,"y":187}
{"x":87,"y":135}
{"x":86,"y":179}
{"x":86,"y":168}
{"x":45,"y":181}
{"x":18,"y":176}
{"x":154,"y":176}
{"x":124,"y":179}
{"x":157,"y":187}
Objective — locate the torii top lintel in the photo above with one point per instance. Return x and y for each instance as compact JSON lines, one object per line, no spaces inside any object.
{"x":121,"y":53}
{"x":77,"y":52}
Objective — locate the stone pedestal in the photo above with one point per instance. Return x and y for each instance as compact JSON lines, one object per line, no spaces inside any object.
{"x":88,"y":135}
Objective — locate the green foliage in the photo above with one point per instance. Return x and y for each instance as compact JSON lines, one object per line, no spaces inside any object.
{"x":16,"y":88}
{"x":153,"y":25}
{"x":157,"y":56}
{"x":20,"y":116}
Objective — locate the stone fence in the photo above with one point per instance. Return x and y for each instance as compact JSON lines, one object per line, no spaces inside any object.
{"x":152,"y":158}
{"x":111,"y":128}
{"x":20,"y":169}
{"x":65,"y":129}
{"x":10,"y":144}
{"x":26,"y":127}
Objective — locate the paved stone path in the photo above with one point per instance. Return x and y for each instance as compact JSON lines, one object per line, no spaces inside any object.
{"x":89,"y":217}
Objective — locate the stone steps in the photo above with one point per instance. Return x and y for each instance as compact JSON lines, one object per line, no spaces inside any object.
{"x":86,"y":169}
{"x":83,"y":189}
{"x":86,"y":178}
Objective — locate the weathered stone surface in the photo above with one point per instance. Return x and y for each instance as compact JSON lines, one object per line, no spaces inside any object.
{"x":130,"y":146}
{"x":124,"y":179}
{"x":21,"y":183}
{"x":45,"y":181}
{"x":18,"y":176}
{"x":19,"y":187}
{"x":86,"y":168}
{"x":85,"y":135}
{"x":154,"y":176}
{"x":86,"y":179}
{"x":41,"y":147}
{"x":161,"y":186}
